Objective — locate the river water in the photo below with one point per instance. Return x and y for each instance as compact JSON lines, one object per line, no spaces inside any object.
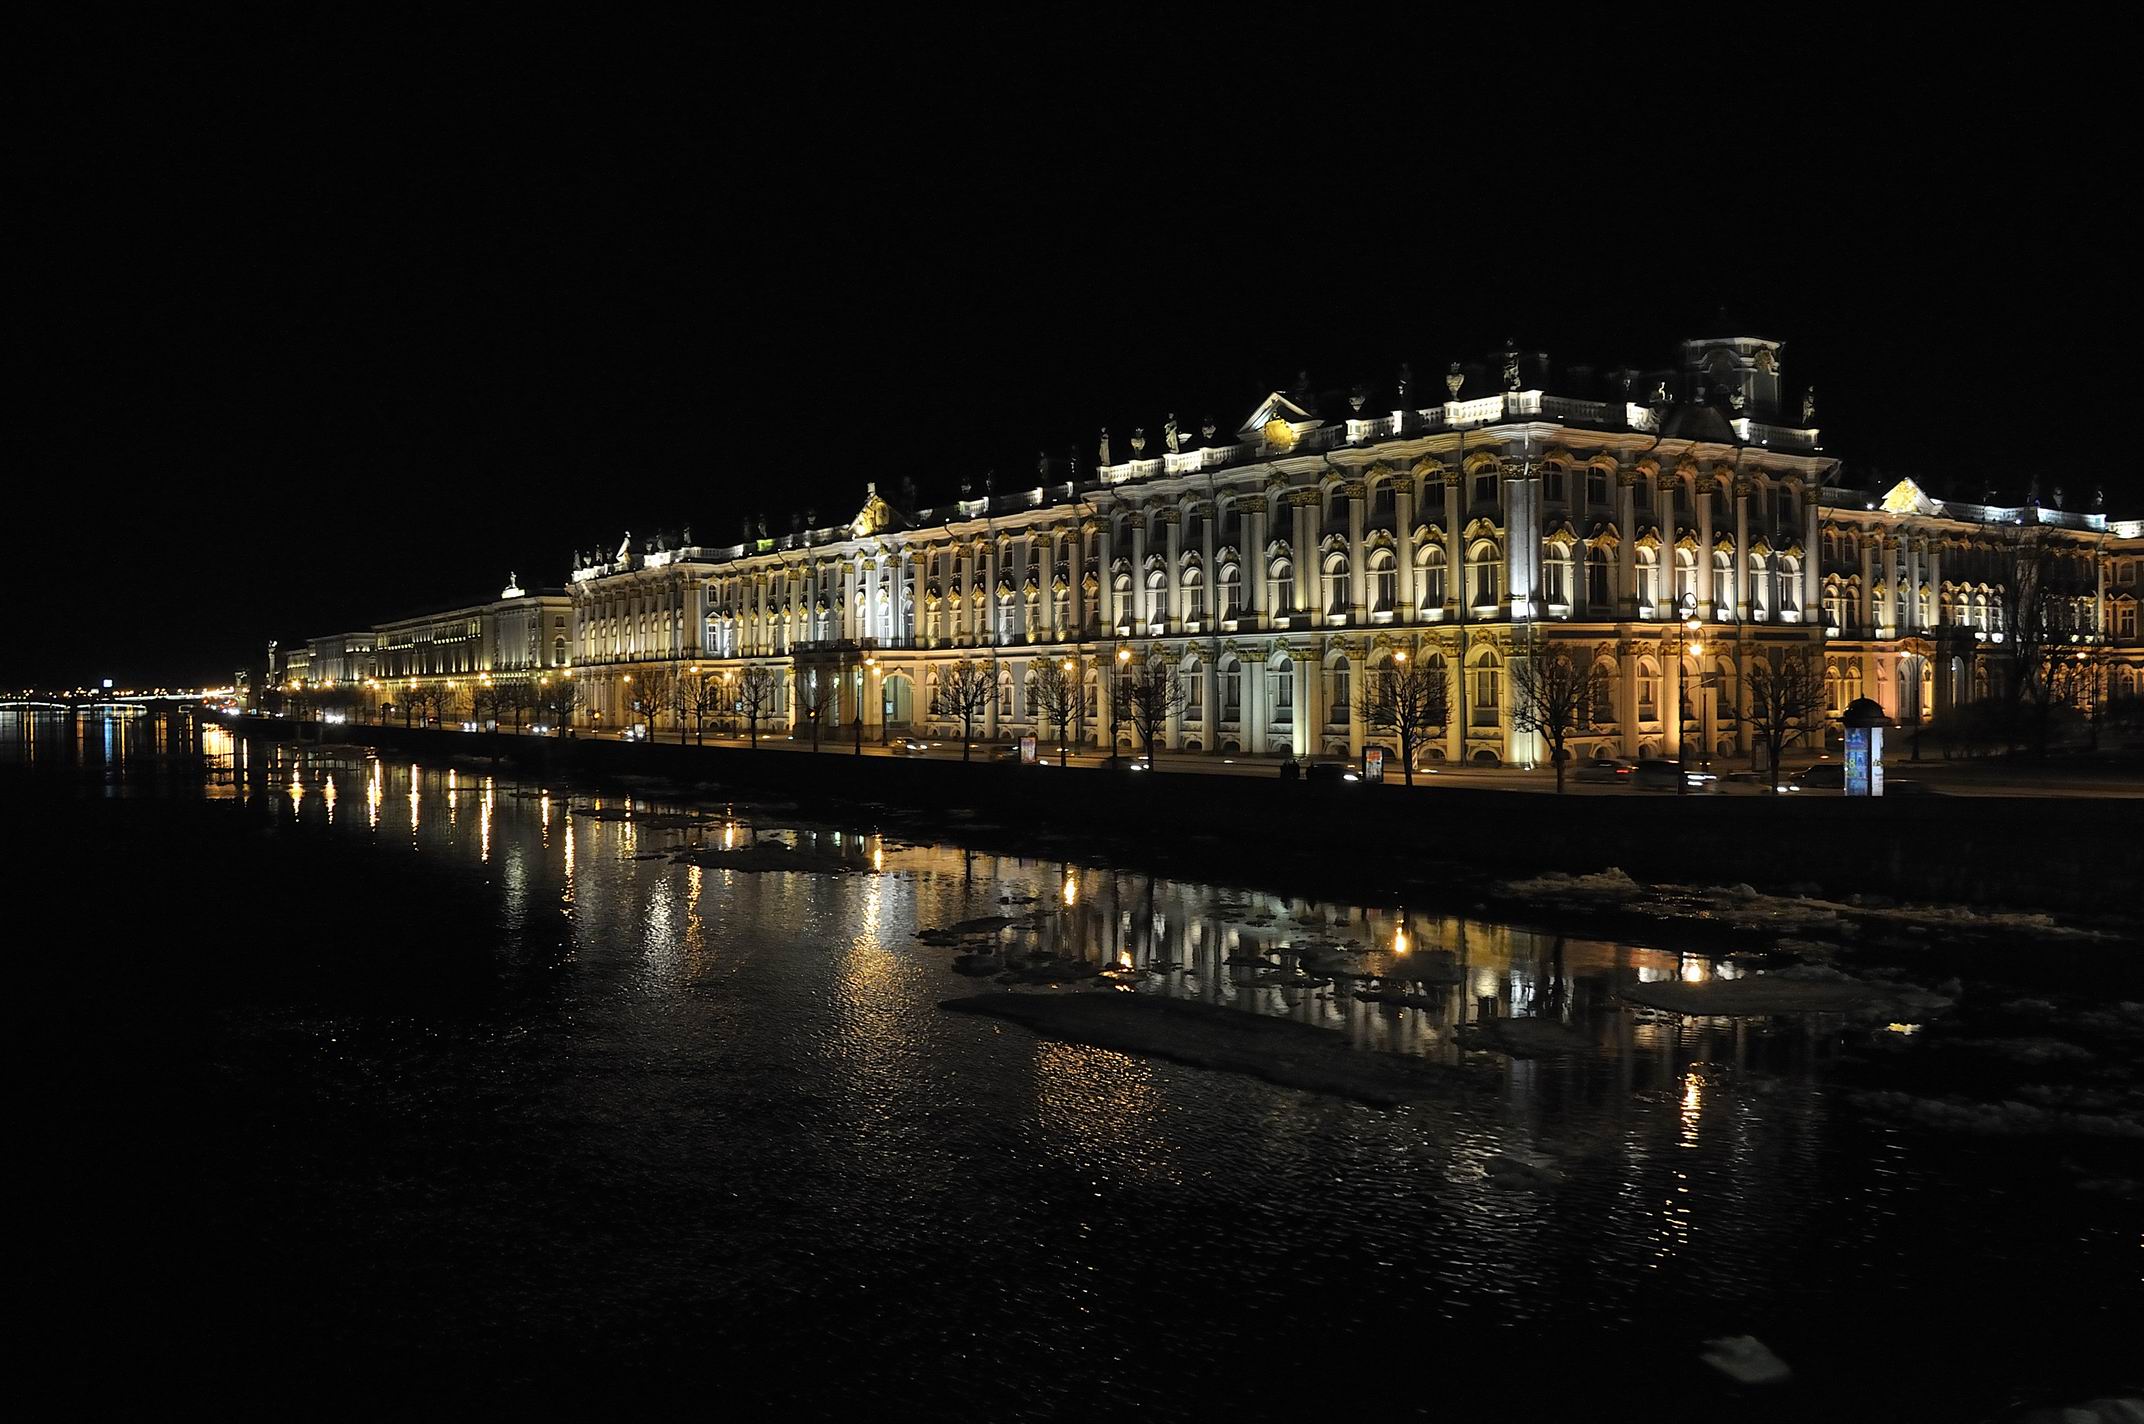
{"x":365,"y":1081}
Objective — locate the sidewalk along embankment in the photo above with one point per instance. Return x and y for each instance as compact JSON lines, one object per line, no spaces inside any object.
{"x":2079,"y":855}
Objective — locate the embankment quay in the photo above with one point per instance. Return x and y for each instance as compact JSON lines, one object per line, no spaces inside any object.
{"x":2067,"y":855}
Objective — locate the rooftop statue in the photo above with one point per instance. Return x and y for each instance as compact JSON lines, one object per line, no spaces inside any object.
{"x":1169,"y":436}
{"x":1103,"y":458}
{"x":1809,"y":408}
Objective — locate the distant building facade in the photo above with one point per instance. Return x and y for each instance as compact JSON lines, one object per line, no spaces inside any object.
{"x":1276,"y":567}
{"x":520,"y":635}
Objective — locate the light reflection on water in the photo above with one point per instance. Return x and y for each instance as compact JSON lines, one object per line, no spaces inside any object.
{"x":739,"y":1087}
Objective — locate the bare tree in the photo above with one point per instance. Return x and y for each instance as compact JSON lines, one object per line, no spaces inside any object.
{"x":1408,"y":699}
{"x":758,"y":693}
{"x":1147,"y":695}
{"x":516,"y":699}
{"x":425,"y":701}
{"x":964,"y":691}
{"x":561,"y":698}
{"x":705,"y":694}
{"x":1548,"y":693}
{"x":658,"y":692}
{"x":1787,"y":702}
{"x":816,"y":697}
{"x":2026,"y":562}
{"x":1054,"y":693}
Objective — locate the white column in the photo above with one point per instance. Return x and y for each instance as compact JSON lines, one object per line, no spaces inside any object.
{"x":1812,"y":553}
{"x":1300,"y":669}
{"x":1455,"y":566}
{"x":1403,"y":513}
{"x":1142,"y":609}
{"x":1705,"y":592}
{"x":1867,"y":540}
{"x":1912,"y":556}
{"x":1741,"y":598}
{"x":1253,"y":572}
{"x":1626,"y":553}
{"x":1172,"y":594}
{"x":1357,"y":602}
{"x":1209,"y":579}
{"x":990,"y":604}
{"x":1105,"y":580}
{"x":1306,"y":558}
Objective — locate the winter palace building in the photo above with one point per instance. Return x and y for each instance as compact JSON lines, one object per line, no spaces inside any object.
{"x":1278,"y":565}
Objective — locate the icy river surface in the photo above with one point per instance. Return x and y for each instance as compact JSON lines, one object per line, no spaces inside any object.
{"x":382,"y":1081}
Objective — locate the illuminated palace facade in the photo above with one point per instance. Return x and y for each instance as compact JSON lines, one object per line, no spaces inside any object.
{"x":1278,"y":566}
{"x":520,"y":635}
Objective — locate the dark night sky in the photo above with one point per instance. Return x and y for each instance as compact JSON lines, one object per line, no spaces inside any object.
{"x":320,"y":325}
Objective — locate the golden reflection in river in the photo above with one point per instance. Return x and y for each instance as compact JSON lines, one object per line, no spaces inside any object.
{"x":695,"y":938}
{"x":297,"y":790}
{"x":415,"y":816}
{"x":484,"y":822}
{"x":375,"y":793}
{"x":1097,"y":1109}
{"x":327,"y":794}
{"x":566,"y":898}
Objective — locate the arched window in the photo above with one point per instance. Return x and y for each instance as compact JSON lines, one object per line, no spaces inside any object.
{"x":1685,"y":575}
{"x":1487,"y":691}
{"x":1384,"y":581}
{"x":1597,"y":709}
{"x":1599,"y":582}
{"x":1231,"y":688}
{"x":1790,"y":585}
{"x":1760,"y":595}
{"x":1556,"y":575}
{"x":1281,"y":683}
{"x":1231,"y":592}
{"x":1648,"y":581}
{"x":1429,"y":576}
{"x":1283,"y":585}
{"x":1339,"y":698}
{"x":1648,"y":691}
{"x":1336,"y":584}
{"x":1194,"y":593}
{"x":1484,"y":569}
{"x":1157,"y":596}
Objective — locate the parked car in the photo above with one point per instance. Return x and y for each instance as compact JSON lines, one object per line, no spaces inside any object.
{"x":1613,"y":770}
{"x":1330,"y":773}
{"x":1824,"y":776}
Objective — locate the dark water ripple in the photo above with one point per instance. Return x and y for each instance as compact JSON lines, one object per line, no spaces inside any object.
{"x":441,"y":1091}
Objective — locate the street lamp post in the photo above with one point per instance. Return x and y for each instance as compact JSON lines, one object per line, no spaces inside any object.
{"x":1124,"y":657}
{"x":1074,"y":690}
{"x":863,"y":682}
{"x":1695,"y":648}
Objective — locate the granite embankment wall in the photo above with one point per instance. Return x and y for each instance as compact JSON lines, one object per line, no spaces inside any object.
{"x":2078,"y":854}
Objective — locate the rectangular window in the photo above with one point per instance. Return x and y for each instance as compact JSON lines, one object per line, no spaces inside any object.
{"x":1485,"y":489}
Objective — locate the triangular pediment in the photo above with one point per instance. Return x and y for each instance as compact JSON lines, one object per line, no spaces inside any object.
{"x":1274,"y":407}
{"x":1906,"y":497}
